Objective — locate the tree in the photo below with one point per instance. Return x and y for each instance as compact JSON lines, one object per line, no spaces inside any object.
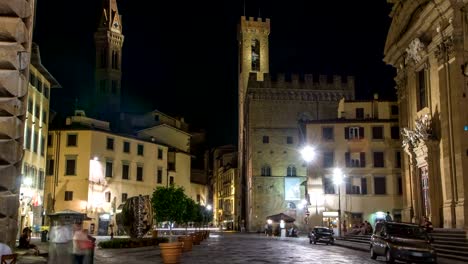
{"x":169,"y":204}
{"x":190,"y":212}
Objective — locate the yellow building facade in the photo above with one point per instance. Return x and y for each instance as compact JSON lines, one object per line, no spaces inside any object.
{"x":426,"y":44}
{"x":36,"y":128}
{"x":93,"y":171}
{"x":363,"y":142}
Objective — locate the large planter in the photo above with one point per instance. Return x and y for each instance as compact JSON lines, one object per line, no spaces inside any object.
{"x":187,"y":240}
{"x":195,"y":239}
{"x":170,"y":252}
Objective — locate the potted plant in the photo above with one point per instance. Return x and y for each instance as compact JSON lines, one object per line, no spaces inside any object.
{"x":168,"y":206}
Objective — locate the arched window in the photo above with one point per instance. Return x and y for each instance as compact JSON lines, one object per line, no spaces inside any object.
{"x":266,"y":170}
{"x":291,"y":170}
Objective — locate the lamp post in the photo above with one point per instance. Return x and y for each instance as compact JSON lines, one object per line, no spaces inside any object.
{"x":338,"y":179}
{"x":308,"y":154}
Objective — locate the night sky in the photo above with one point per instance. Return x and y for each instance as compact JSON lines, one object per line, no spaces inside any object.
{"x":180,"y":57}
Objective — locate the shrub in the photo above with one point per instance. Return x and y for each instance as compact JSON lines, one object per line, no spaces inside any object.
{"x":132,"y":242}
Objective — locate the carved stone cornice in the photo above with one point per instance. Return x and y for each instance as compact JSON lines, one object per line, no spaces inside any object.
{"x":445,"y":50}
{"x":298,"y":95}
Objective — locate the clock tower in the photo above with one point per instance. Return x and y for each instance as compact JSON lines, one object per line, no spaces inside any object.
{"x":108,"y":41}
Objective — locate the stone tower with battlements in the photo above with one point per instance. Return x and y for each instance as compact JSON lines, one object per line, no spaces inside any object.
{"x":270,"y":110}
{"x":108,"y":43}
{"x":253,"y":58}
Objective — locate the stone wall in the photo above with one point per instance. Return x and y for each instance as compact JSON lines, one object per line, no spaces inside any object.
{"x":16,"y":23}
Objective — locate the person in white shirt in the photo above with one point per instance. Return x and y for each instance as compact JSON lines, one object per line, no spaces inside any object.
{"x":60,"y":244}
{"x":4,"y":250}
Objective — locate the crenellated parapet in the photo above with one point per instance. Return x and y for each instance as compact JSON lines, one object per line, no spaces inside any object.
{"x":252,"y":25}
{"x":308,"y":82}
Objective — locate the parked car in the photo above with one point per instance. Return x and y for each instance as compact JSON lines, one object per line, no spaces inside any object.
{"x":321,"y":234}
{"x":402,"y":241}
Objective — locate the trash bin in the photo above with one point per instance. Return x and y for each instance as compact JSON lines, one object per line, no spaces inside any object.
{"x":44,"y":236}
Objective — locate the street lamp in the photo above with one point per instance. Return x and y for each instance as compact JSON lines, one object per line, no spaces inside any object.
{"x":308,"y":154}
{"x":338,"y":179}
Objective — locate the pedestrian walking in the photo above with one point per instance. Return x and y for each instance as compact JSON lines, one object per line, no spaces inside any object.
{"x":60,"y":243}
{"x":388,"y":217}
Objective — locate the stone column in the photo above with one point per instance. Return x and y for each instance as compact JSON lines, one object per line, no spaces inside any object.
{"x":16,"y":22}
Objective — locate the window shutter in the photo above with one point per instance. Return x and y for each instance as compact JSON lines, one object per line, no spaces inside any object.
{"x":361,"y":132}
{"x":347,"y":157}
{"x":363,"y":159}
{"x":346,"y":132}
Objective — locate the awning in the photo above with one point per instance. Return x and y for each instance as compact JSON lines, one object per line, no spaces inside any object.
{"x":281,"y":216}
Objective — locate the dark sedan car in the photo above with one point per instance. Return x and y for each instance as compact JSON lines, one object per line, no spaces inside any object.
{"x":321,"y":234}
{"x":403,"y":242}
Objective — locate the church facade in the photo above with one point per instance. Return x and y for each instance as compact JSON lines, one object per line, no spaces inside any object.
{"x":426,"y":43}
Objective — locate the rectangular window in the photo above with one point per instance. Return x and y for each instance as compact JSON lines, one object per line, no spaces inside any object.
{"x":68,"y":196}
{"x":397,"y":159}
{"x":363,"y":185}
{"x":378,"y":159}
{"x":159,"y":179}
{"x":395,"y":132}
{"x":380,"y":186}
{"x":140,"y":149}
{"x":124,"y":197}
{"x":35,"y":142}
{"x":354,"y":132}
{"x":139,"y":173}
{"x":110,"y":144}
{"x":42,"y":146}
{"x":125,"y":171}
{"x":108,"y":168}
{"x":49,"y":140}
{"x":126,"y":147}
{"x":27,"y":141}
{"x":421,"y":89}
{"x":50,"y":167}
{"x":41,"y":180}
{"x":71,"y":140}
{"x":362,"y":159}
{"x":255,"y":55}
{"x":399,"y":185}
{"x":32,"y":79}
{"x":289,"y":140}
{"x":328,"y":159}
{"x":108,"y":197}
{"x":171,"y":180}
{"x":39,"y":85}
{"x":44,"y":117}
{"x":70,"y":166}
{"x":160,"y":154}
{"x":46,"y":91}
{"x":156,"y":118}
{"x":329,"y":187}
{"x":327,"y":133}
{"x":37,"y":111}
{"x":30,"y":106}
{"x":359,"y":113}
{"x":266,"y":139}
{"x":377,"y":132}
{"x":198,"y":198}
{"x":394,"y":109}
{"x":353,"y":160}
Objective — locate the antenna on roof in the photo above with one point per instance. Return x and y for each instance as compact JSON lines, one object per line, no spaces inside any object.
{"x":244,"y":7}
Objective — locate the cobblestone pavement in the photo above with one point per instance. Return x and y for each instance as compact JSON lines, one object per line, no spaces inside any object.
{"x":242,"y":248}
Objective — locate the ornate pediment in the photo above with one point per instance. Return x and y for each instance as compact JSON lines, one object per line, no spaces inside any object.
{"x":421,"y":133}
